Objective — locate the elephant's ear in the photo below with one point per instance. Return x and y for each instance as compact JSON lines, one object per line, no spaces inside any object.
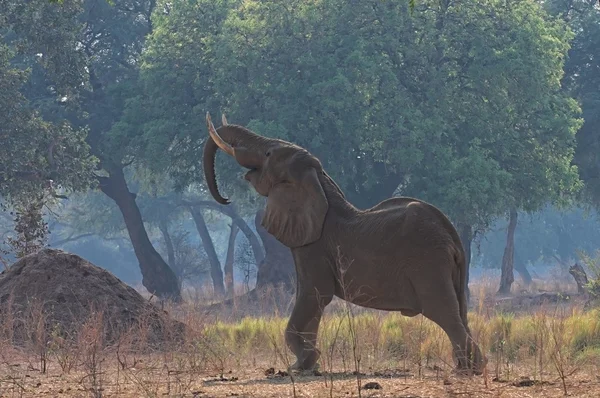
{"x":296,"y":210}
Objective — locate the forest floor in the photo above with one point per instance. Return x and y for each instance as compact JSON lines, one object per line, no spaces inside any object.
{"x":540,"y":349}
{"x":250,"y":382}
{"x":541,"y":354}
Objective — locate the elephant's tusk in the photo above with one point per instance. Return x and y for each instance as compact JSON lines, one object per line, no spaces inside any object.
{"x":217,"y":138}
{"x":224,"y":120}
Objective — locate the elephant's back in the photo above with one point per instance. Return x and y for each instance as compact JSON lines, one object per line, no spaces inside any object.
{"x":404,"y":218}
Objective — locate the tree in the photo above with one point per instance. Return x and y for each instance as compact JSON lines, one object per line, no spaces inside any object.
{"x":229,"y":260}
{"x":540,"y":158}
{"x":582,"y":79}
{"x":177,"y":80}
{"x":89,"y":51}
{"x":326,"y":75}
{"x":274,"y":269}
{"x":508,"y":131}
{"x":437,"y":105}
{"x":37,"y":158}
{"x":227,"y":49}
{"x":40,"y":161}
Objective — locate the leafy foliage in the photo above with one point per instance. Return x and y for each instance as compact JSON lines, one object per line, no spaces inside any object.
{"x":508,"y":130}
{"x":87,"y":52}
{"x":31,"y":230}
{"x":582,"y":79}
{"x":36,"y":156}
{"x":440,"y":105}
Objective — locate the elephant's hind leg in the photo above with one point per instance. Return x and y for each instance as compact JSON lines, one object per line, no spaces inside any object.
{"x":439,"y":304}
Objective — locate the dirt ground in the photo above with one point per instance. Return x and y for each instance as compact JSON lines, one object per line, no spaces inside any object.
{"x":144,"y":382}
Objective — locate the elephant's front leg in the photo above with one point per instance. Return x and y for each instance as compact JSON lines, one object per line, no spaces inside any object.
{"x":302,"y":329}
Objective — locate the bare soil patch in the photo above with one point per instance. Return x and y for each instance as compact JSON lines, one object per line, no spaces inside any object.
{"x":147,"y":381}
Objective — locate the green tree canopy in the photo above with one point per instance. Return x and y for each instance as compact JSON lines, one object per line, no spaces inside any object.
{"x":279,"y":68}
{"x":459,"y":103}
{"x":582,"y":80}
{"x":378,"y":95}
{"x":86,"y":53}
{"x":508,"y":130}
{"x":36,"y":156}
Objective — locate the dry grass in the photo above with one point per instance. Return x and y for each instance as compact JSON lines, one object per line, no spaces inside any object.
{"x":547,"y":352}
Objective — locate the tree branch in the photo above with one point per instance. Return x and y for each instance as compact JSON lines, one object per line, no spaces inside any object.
{"x":72,"y":239}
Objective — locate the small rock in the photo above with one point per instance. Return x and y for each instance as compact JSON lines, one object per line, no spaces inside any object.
{"x":524,"y":382}
{"x":447,"y":382}
{"x":392,"y":373}
{"x":270,"y":372}
{"x":222,"y":378}
{"x":372,"y":385}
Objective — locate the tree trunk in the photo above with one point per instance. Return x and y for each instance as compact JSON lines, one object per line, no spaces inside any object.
{"x":215,"y":266}
{"x":230,"y":211}
{"x":278,"y":267}
{"x":251,"y":236}
{"x":230,"y":259}
{"x":164,"y":230}
{"x":465,"y":231}
{"x":157,"y":277}
{"x":521,"y":268}
{"x":508,"y":259}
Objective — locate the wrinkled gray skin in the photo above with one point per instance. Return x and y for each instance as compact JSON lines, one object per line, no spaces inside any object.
{"x":400,"y":255}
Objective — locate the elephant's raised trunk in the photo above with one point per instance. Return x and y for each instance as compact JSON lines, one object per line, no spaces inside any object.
{"x":244,"y":145}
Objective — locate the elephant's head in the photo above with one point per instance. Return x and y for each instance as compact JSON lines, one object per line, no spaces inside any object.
{"x":288,"y":175}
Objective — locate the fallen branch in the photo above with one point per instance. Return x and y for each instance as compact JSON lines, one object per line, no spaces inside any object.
{"x":524,"y":302}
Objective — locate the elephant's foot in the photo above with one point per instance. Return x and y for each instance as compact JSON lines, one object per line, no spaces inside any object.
{"x":309,"y":363}
{"x":297,"y":370}
{"x":468,"y":367}
{"x":470,"y":362}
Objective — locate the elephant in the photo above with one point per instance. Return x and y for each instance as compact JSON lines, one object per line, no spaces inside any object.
{"x":402,"y":254}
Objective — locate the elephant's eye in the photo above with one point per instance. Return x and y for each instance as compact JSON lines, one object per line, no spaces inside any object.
{"x":268,"y":153}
